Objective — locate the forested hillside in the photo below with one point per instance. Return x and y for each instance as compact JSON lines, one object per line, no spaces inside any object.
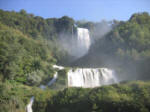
{"x":28,"y":49}
{"x":38,"y":28}
{"x":29,"y":46}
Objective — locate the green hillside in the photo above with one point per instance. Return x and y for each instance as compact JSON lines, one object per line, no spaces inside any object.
{"x":29,"y":46}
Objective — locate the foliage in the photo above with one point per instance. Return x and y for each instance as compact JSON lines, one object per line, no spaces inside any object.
{"x":20,"y":55}
{"x":61,"y":81}
{"x":29,"y":47}
{"x":29,"y":44}
{"x":43,"y":30}
{"x":35,"y":78}
{"x":125,"y":97}
{"x":14,"y":96}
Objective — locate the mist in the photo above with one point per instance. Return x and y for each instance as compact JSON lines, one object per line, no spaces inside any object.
{"x":98,"y":58}
{"x":100,"y":29}
{"x":76,"y":44}
{"x":93,"y":57}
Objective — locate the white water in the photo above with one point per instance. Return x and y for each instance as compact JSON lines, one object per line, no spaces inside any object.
{"x":58,"y":67}
{"x":89,"y":78}
{"x":29,"y":106}
{"x":76,"y":45}
{"x":84,"y":38}
{"x":53,"y":80}
{"x":83,"y":41}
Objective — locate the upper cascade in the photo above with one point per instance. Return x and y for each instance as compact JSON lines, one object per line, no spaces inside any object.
{"x":83,"y":41}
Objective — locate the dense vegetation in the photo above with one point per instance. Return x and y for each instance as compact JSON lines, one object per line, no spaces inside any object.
{"x":21,"y":57}
{"x":61,"y":81}
{"x":38,"y":28}
{"x":125,"y":97}
{"x":29,"y":46}
{"x":28,"y":49}
{"x":15,"y":96}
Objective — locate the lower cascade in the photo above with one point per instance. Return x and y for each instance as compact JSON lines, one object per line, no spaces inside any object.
{"x":90,"y":77}
{"x":81,"y":77}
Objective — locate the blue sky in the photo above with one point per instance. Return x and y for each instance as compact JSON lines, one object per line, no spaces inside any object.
{"x":92,"y":10}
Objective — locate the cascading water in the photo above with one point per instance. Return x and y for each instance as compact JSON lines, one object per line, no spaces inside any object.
{"x":77,"y":45}
{"x":29,"y":106}
{"x":89,"y":78}
{"x":82,"y":77}
{"x":84,"y":40}
{"x":81,"y":44}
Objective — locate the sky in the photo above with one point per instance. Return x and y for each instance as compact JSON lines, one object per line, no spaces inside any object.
{"x":90,"y":10}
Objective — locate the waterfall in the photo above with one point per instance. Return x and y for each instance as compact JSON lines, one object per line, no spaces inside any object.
{"x":29,"y":105}
{"x":82,"y":77}
{"x":83,"y":38}
{"x":83,"y":41}
{"x":53,"y":80}
{"x":77,"y":45}
{"x":58,"y":67}
{"x":90,"y":77}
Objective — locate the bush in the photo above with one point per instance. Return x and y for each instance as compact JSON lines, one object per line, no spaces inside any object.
{"x":35,"y":78}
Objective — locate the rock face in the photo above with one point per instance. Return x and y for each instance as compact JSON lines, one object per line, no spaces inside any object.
{"x":90,"y":77}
